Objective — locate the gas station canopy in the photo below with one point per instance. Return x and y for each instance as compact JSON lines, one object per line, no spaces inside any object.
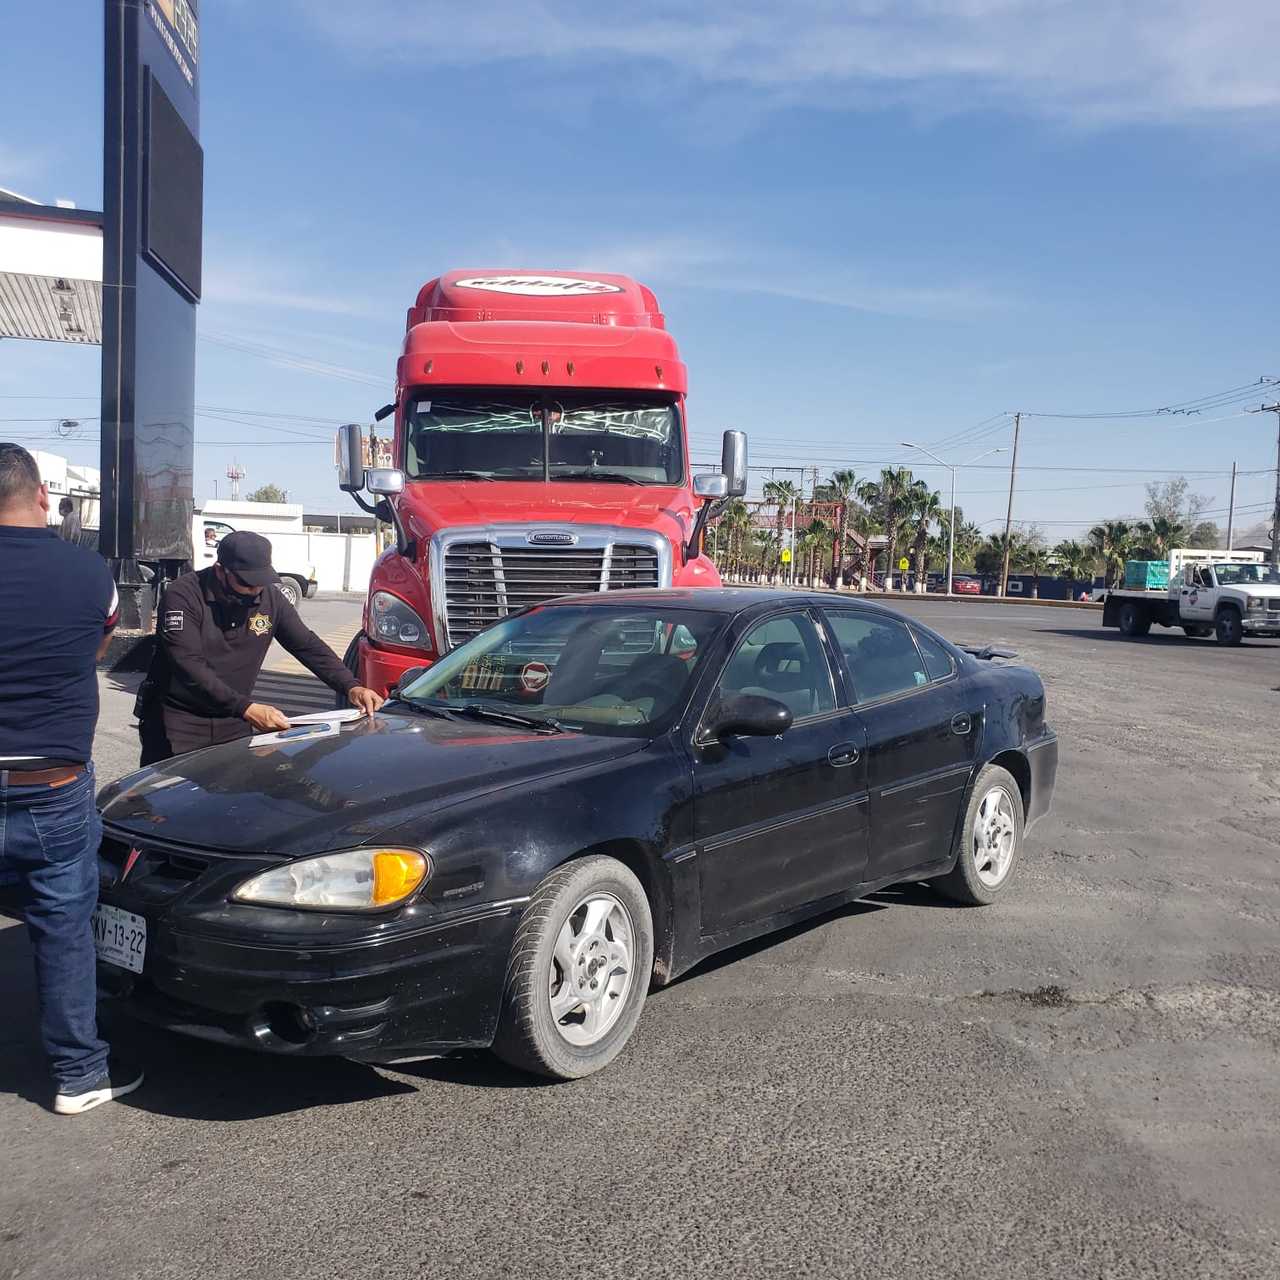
{"x":50,"y":272}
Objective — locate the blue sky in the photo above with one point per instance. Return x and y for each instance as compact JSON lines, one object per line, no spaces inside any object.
{"x":867,"y":222}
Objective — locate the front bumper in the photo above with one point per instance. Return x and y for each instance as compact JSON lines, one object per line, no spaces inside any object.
{"x":381,"y":670}
{"x":385,"y":990}
{"x":311,"y":588}
{"x":1262,"y":623}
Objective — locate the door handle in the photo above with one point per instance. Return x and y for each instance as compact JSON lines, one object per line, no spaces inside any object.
{"x":843,"y":755}
{"x":961,"y":724}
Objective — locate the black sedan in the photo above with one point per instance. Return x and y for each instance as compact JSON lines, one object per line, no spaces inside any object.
{"x":583,"y":801}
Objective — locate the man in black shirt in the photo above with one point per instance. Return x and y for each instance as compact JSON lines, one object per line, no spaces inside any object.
{"x":212,"y":636}
{"x":57,"y":609}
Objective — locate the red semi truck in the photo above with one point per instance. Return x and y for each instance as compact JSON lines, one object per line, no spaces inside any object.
{"x":540,"y":449}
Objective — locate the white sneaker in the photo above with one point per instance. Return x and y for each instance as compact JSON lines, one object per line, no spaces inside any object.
{"x":118,"y":1079}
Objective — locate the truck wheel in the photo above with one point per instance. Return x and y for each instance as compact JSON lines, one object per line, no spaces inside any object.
{"x":579,"y":971}
{"x":1197,"y":632}
{"x":292,"y":589}
{"x":1229,"y":627}
{"x":350,"y":660}
{"x":990,"y":840}
{"x":1133,"y":620}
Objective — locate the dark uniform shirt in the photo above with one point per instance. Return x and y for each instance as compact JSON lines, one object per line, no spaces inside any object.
{"x":56,"y":602}
{"x":211,"y":644}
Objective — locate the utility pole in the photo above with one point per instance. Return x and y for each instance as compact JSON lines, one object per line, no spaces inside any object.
{"x":1275,"y":513}
{"x":1231,"y":510}
{"x":1008,"y":519}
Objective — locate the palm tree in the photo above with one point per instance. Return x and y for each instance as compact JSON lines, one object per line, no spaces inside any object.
{"x":924,"y":506}
{"x":784,"y":494}
{"x":1077,"y":560}
{"x":817,"y":535}
{"x":735,"y":519}
{"x":1035,"y":560}
{"x":990,"y":556}
{"x":888,"y":496}
{"x":1113,"y":541}
{"x":1158,"y":536}
{"x":842,"y":486}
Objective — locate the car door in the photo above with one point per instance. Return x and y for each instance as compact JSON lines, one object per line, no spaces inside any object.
{"x":780,"y":821}
{"x":1198,"y":595}
{"x":922,"y":738}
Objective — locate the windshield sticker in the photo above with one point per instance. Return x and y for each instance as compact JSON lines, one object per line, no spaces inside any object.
{"x":539,"y":286}
{"x":534,"y":676}
{"x":482,"y":673}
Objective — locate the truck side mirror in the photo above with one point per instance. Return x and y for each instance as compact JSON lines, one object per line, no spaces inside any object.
{"x":350,"y":451}
{"x":385,"y":412}
{"x":710,"y":487}
{"x":384,"y":480}
{"x":733,"y":462}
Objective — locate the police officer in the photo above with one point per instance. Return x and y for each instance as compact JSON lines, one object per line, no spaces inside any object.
{"x":212,"y":636}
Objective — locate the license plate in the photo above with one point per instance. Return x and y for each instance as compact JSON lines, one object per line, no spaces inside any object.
{"x":120,"y":937}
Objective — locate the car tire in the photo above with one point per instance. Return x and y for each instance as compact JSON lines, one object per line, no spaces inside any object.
{"x":350,"y":660}
{"x":1133,"y":621}
{"x":293,"y":589}
{"x":562,"y":936}
{"x":990,"y":840}
{"x":1198,"y":632}
{"x":1229,"y":627}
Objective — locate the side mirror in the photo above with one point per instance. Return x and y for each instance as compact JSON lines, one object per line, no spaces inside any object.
{"x":749,"y":714}
{"x":408,"y":678}
{"x":733,"y":462}
{"x":350,"y":451}
{"x":384,"y":480}
{"x":385,"y":412}
{"x":710,"y":487}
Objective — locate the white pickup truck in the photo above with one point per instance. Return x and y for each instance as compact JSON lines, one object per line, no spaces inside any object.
{"x":1227,"y":594}
{"x":279,"y":523}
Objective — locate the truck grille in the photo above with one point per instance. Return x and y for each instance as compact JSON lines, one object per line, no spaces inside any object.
{"x":484,"y":581}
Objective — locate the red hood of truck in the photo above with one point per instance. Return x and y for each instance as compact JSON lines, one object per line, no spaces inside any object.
{"x":433,"y":505}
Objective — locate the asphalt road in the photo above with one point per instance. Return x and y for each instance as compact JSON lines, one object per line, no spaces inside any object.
{"x":1082,"y":1081}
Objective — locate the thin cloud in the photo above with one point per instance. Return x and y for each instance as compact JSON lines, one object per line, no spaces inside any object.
{"x":1091,"y":62}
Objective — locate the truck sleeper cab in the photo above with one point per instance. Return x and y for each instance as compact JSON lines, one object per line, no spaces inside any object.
{"x":539,"y":449}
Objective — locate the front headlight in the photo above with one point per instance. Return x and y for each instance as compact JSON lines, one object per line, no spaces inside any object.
{"x":1255,"y":602}
{"x":358,"y":880}
{"x":396,"y":623}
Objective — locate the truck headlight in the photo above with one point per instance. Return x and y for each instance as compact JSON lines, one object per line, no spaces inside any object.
{"x":1255,"y":602}
{"x":357,"y":880}
{"x":396,"y":623}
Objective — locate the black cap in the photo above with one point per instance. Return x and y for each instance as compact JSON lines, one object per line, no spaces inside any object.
{"x":248,"y":556}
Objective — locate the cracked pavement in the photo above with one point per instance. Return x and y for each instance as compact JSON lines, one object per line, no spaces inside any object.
{"x":1080,"y":1081}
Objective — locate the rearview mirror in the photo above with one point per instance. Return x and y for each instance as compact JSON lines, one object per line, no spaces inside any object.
{"x":350,"y":451}
{"x":385,"y":412}
{"x":733,"y":462}
{"x":710,"y":487}
{"x":384,"y":480}
{"x":749,"y":714}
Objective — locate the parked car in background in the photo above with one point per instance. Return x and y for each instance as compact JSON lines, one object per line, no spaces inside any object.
{"x":586,"y":798}
{"x":966,"y":585}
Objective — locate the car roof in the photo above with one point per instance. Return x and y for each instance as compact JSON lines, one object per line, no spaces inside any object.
{"x":727,"y":600}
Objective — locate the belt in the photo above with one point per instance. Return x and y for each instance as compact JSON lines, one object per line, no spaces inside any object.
{"x":58,"y":777}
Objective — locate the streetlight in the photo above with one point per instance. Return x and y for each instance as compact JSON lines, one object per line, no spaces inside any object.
{"x":951,"y":543}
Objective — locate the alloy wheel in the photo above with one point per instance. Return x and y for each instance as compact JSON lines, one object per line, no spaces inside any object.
{"x":591,"y":969}
{"x":995,"y":837}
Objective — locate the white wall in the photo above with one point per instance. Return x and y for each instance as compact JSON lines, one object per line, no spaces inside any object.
{"x":343,"y":561}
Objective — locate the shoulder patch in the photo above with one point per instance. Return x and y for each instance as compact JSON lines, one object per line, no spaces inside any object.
{"x":173,"y":620}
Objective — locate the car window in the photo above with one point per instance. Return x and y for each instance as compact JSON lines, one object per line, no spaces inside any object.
{"x":937,"y":661}
{"x":882,"y":657}
{"x":782,"y":658}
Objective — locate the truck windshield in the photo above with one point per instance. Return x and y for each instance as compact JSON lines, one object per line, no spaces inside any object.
{"x":553,"y":436}
{"x":1230,"y":575}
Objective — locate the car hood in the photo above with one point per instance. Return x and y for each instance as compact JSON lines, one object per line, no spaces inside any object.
{"x":342,"y":786}
{"x":443,"y":504}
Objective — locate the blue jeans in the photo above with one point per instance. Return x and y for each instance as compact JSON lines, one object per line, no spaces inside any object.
{"x":49,"y":840}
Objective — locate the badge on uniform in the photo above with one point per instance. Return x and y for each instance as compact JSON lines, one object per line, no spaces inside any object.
{"x":259,"y":624}
{"x":173,"y":621}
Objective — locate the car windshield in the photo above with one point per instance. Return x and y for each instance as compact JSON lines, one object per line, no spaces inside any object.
{"x":1239,"y":574}
{"x":609,"y":437}
{"x":614,"y":670}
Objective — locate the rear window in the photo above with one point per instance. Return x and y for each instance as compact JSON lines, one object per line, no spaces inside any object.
{"x":938,"y":662}
{"x":882,"y":657}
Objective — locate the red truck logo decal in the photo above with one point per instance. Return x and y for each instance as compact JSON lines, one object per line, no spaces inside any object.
{"x":539,"y":286}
